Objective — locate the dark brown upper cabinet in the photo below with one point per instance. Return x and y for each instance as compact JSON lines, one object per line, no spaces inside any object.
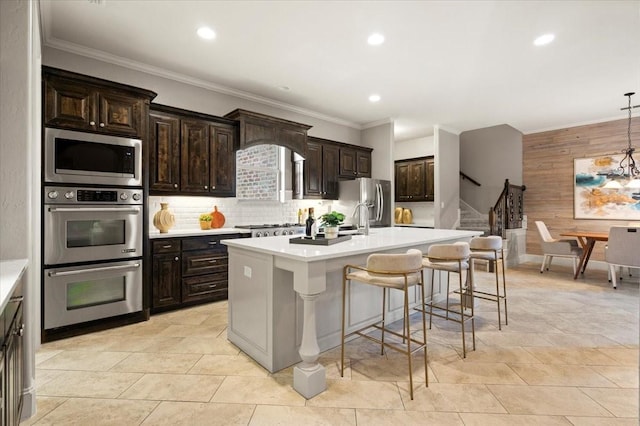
{"x":164,"y":161}
{"x":191,"y":153}
{"x":414,"y":179}
{"x":222,"y":160}
{"x":321,"y":169}
{"x":355,"y":162}
{"x":79,"y":102}
{"x":260,"y":129}
{"x":194,"y":156}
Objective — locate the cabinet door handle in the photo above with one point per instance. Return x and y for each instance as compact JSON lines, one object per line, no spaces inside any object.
{"x":206,"y":187}
{"x":101,"y":124}
{"x":175,"y":185}
{"x":213,"y":187}
{"x":167,"y":246}
{"x":20,"y":331}
{"x":213,"y":286}
{"x":176,"y":258}
{"x":213,"y":243}
{"x":92,"y":123}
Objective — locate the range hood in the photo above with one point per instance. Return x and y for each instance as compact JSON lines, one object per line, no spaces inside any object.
{"x":261,"y":129}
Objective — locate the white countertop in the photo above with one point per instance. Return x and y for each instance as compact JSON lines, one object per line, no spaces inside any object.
{"x":418,"y":224}
{"x":11,"y":272}
{"x":378,"y":239}
{"x":196,"y":232}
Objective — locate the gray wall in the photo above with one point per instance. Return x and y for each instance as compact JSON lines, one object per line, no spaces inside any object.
{"x":380,"y":138}
{"x":447,"y":188}
{"x":500,"y":151}
{"x":191,"y":96}
{"x":20,"y":165}
{"x":14,"y":129}
{"x":413,"y":148}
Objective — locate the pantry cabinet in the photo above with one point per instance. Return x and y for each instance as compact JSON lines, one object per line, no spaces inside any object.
{"x":80,"y":102}
{"x":189,"y":270}
{"x":191,"y":153}
{"x":414,"y":179}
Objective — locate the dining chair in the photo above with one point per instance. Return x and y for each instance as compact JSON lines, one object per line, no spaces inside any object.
{"x":553,"y":247}
{"x":637,"y":225}
{"x":389,"y":271}
{"x":622,"y":249}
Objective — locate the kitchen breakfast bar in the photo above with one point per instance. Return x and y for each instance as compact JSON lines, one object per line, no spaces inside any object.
{"x":270,"y":323}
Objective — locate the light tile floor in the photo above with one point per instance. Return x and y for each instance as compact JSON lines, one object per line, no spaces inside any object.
{"x":569,"y":356}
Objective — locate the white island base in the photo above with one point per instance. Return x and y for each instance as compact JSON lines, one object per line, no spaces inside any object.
{"x":285,"y":300}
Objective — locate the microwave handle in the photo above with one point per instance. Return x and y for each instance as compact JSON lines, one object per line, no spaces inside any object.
{"x":135,"y":210}
{"x":101,"y":269}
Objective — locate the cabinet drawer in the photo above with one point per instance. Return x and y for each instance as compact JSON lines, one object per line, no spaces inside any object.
{"x":204,"y":287}
{"x":204,"y":262}
{"x":202,"y":243}
{"x":166,"y":246}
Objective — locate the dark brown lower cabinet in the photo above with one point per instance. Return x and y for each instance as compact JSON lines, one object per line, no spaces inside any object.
{"x":12,"y":360}
{"x":189,"y":270}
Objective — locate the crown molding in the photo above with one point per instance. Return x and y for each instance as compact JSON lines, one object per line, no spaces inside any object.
{"x":376,"y":123}
{"x":566,"y":126}
{"x":183,"y":78}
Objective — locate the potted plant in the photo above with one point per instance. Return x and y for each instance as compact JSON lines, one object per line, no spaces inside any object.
{"x":331,"y":222}
{"x":205,"y":221}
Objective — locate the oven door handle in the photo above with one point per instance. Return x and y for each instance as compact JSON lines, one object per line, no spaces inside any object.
{"x":82,"y":271}
{"x":134,"y":210}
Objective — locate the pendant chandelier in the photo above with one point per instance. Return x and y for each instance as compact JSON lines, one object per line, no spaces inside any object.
{"x":627,"y":171}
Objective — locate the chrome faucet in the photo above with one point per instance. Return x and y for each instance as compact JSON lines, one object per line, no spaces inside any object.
{"x":356,"y":211}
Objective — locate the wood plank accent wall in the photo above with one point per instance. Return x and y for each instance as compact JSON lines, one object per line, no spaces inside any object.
{"x":547,"y":172}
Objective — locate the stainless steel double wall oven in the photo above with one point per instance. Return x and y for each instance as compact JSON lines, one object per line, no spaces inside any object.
{"x":93,"y":227}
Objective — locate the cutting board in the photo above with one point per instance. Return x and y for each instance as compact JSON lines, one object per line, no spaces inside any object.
{"x":217,"y":218}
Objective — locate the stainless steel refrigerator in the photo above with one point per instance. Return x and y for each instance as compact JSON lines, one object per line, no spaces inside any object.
{"x":375,"y":193}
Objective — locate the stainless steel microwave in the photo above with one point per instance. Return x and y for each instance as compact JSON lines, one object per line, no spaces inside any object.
{"x":90,"y":158}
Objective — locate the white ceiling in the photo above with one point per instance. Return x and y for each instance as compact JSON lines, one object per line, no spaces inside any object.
{"x":462,"y":65}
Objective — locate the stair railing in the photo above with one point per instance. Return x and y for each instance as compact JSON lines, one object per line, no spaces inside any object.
{"x":508,"y":212}
{"x":464,"y":176}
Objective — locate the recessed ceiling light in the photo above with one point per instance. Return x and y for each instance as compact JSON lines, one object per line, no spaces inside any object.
{"x":206,"y":33}
{"x":544,"y":39}
{"x":374,"y":98}
{"x":375,"y":39}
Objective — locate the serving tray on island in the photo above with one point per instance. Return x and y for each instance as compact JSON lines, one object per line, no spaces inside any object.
{"x":319,"y":241}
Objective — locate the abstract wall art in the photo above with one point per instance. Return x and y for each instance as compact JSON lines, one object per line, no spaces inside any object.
{"x":592,"y":201}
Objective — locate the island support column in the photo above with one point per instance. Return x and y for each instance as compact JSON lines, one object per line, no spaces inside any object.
{"x":309,"y":378}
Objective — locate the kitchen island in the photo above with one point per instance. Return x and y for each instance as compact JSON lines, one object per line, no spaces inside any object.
{"x":269,"y":322}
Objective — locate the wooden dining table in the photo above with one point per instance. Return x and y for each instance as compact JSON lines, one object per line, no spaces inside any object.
{"x":587,"y":240}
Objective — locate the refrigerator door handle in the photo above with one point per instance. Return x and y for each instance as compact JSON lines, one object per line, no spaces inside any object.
{"x":380,"y":202}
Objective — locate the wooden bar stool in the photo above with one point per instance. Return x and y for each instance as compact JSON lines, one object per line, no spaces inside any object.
{"x":389,"y":271}
{"x":490,"y":249}
{"x":452,"y":258}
